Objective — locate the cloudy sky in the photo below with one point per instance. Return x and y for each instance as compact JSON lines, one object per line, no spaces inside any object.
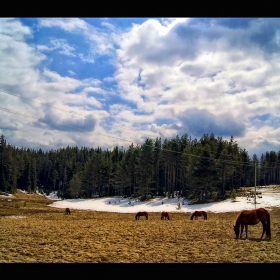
{"x":115,"y":81}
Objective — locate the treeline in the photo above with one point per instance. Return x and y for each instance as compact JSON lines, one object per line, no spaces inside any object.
{"x":177,"y":166}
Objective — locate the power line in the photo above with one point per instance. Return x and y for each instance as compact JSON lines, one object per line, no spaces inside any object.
{"x":42,"y":103}
{"x":162,"y":149}
{"x":41,"y":119}
{"x":45,"y":104}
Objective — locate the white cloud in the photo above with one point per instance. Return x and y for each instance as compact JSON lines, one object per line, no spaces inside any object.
{"x":14,"y":29}
{"x":212,"y":77}
{"x":72,"y":73}
{"x":67,"y":24}
{"x":61,"y":44}
{"x":87,"y":59}
{"x":100,"y":42}
{"x":95,"y":90}
{"x":171,"y":74}
{"x":58,"y":100}
{"x":108,"y":25}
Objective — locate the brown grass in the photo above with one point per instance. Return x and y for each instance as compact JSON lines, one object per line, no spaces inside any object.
{"x":36,"y":233}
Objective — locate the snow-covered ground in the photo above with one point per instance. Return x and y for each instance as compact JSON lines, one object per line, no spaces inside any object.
{"x":270,"y":198}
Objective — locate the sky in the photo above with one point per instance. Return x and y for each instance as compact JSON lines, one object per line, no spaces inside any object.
{"x":270,"y":197}
{"x":107,"y":82}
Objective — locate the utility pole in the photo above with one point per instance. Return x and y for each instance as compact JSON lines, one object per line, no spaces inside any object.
{"x":255,"y":183}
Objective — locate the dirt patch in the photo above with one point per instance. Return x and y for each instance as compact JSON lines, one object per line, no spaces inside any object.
{"x":47,"y":235}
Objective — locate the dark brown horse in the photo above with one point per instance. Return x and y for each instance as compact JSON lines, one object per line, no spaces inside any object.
{"x":137,"y":216}
{"x":165,"y":215}
{"x":253,"y":217}
{"x":67,"y":211}
{"x":199,"y":214}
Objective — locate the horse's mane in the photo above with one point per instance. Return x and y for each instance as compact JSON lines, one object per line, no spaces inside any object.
{"x":237,"y":218}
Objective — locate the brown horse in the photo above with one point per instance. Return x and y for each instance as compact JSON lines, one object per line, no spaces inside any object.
{"x":137,"y":216}
{"x":199,"y":214}
{"x":67,"y":211}
{"x":253,"y":217}
{"x":165,"y":215}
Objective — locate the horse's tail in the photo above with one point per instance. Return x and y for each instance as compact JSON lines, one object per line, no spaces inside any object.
{"x":192,"y":215}
{"x":268,"y":232}
{"x":147,"y":216}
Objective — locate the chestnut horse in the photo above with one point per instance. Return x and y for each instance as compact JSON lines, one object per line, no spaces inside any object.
{"x":165,"y":215}
{"x":199,"y":214}
{"x":67,"y":211}
{"x":137,"y":216}
{"x":253,"y":217}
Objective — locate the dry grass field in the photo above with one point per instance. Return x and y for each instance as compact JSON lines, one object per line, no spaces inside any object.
{"x":32,"y":232}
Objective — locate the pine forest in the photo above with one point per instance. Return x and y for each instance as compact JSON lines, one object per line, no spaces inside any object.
{"x":181,"y":166}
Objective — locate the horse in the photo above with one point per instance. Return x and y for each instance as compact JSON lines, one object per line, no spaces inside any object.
{"x":253,"y":217}
{"x":137,"y":216}
{"x":67,"y":211}
{"x":199,"y":214}
{"x":164,"y":215}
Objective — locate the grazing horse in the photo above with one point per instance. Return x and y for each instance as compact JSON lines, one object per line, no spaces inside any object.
{"x":164,"y":215}
{"x":253,"y":217}
{"x":67,"y":211}
{"x":199,"y":214}
{"x":137,"y":216}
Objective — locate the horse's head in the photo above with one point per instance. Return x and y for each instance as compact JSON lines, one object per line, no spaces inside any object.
{"x":236,"y":230}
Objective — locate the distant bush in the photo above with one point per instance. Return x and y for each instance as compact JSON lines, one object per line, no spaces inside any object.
{"x":29,"y":190}
{"x":233,"y":195}
{"x":13,"y":190}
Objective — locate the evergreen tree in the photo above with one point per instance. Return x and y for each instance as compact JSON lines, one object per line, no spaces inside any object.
{"x":145,"y":169}
{"x":75,"y":186}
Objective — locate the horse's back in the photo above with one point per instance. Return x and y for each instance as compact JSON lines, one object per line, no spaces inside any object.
{"x":200,"y":213}
{"x":253,"y":217}
{"x":143,"y":213}
{"x":262,"y":211}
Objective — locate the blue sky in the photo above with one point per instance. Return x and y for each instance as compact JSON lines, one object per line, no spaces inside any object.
{"x":115,"y":81}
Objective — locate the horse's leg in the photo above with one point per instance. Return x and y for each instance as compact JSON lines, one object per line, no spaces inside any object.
{"x":241,"y":231}
{"x":264,"y":227}
{"x":246,"y":230}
